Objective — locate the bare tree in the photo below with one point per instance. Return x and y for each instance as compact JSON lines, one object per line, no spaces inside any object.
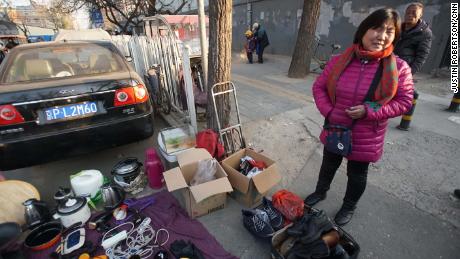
{"x":47,"y":14}
{"x":18,"y":19}
{"x":219,"y":66}
{"x":53,"y":14}
{"x":125,"y":13}
{"x":300,"y":63}
{"x":23,"y":27}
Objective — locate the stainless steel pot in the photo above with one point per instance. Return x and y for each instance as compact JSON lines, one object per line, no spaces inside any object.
{"x":112,"y":195}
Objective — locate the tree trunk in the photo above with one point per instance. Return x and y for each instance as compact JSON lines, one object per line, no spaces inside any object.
{"x":300,"y":63}
{"x":219,"y":58}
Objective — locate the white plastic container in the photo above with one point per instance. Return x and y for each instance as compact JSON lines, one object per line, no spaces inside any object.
{"x":86,"y":182}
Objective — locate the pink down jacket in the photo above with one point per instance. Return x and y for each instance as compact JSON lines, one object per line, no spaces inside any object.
{"x":368,"y":134}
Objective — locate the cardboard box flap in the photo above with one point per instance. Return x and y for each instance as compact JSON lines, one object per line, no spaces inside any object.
{"x":205,"y":190}
{"x":174,"y":179}
{"x":239,"y":181}
{"x":193,"y":155}
{"x":267,"y":179}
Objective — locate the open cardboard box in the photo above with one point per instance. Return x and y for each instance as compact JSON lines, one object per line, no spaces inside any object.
{"x":249,"y":191}
{"x":200,"y":199}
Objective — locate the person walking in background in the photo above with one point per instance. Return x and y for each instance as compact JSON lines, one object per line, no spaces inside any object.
{"x":250,"y":45}
{"x":360,"y":90}
{"x":261,"y":41}
{"x":416,"y":36}
{"x":2,"y":52}
{"x":413,"y":47}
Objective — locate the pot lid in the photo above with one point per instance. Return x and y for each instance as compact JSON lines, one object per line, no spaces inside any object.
{"x":62,"y":193}
{"x":71,"y":205}
{"x":127,"y":166}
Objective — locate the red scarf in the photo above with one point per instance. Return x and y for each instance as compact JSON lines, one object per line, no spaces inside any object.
{"x":386,"y":89}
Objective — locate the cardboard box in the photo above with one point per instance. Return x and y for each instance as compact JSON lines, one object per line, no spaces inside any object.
{"x":249,"y":191}
{"x":200,"y":199}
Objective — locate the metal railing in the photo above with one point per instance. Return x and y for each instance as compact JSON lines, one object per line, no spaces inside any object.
{"x":165,"y":50}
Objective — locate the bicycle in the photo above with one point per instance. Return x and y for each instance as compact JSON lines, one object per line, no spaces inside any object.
{"x":322,"y":60}
{"x":154,"y":79}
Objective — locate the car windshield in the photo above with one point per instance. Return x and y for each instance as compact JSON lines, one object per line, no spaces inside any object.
{"x":62,"y":61}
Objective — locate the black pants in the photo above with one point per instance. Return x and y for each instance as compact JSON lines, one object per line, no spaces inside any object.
{"x":260,"y":55}
{"x":357,"y":177}
{"x":249,"y":55}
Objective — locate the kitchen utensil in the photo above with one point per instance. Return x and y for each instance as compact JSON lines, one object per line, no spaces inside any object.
{"x":62,"y":195}
{"x":74,"y":210}
{"x":44,"y":236}
{"x":112,"y":196}
{"x":35,"y":212}
{"x":127,"y":170}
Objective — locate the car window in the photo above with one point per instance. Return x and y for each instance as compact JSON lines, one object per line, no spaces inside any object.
{"x":62,"y":61}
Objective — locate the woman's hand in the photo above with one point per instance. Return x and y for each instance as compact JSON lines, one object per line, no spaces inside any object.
{"x":356,"y":112}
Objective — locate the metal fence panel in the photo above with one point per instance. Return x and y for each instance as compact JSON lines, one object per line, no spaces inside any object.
{"x":168,"y":52}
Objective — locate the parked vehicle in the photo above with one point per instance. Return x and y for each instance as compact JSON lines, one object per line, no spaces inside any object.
{"x":59,"y":99}
{"x":16,"y":39}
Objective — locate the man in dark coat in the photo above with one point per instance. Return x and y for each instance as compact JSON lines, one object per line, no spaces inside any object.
{"x":413,"y":47}
{"x":261,"y":41}
{"x":2,"y":53}
{"x":415,"y":41}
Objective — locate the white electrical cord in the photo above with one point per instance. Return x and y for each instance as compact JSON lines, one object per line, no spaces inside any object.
{"x":137,"y":241}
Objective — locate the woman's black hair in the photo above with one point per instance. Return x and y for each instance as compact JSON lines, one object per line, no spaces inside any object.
{"x":377,"y":19}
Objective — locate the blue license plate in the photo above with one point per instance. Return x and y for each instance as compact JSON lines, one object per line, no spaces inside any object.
{"x":72,"y":111}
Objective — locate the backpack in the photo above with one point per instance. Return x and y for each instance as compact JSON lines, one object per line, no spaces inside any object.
{"x":209,"y":140}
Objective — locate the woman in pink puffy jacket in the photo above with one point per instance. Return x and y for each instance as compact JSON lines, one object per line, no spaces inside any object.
{"x":342,"y":96}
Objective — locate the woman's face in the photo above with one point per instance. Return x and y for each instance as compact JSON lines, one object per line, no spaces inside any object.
{"x":377,"y":39}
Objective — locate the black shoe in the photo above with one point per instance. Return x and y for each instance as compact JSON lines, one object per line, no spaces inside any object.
{"x":457,"y":193}
{"x":401,"y":128}
{"x":257,"y":222}
{"x":344,"y":216}
{"x":276,"y":218}
{"x":314,"y":198}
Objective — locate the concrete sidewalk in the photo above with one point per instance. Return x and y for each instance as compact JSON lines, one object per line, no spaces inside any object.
{"x":406,"y":211}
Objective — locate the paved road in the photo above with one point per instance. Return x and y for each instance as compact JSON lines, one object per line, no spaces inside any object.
{"x":406,"y":211}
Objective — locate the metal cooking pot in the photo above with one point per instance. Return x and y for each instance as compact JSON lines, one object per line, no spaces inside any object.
{"x":112,"y":195}
{"x":127,"y":170}
{"x":44,"y":236}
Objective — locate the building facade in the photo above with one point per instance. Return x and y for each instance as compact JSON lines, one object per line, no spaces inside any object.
{"x":36,"y":16}
{"x":337,"y":23}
